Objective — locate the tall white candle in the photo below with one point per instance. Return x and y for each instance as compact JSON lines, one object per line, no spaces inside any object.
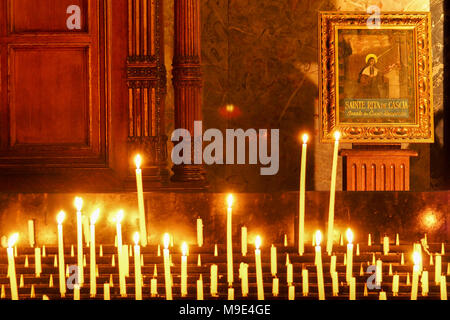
{"x":349,"y":273}
{"x":290,"y":274}
{"x":443,"y":287}
{"x":337,"y":135}
{"x":305,"y":282}
{"x":31,"y":232}
{"x":301,"y":216}
{"x":184,"y":249}
{"x":438,"y":269}
{"x":199,"y":232}
{"x":332,"y":264}
{"x":416,"y":271}
{"x":259,"y":277}
{"x":352,"y":288}
{"x":12,"y":267}
{"x":62,"y":278}
{"x":379,"y":273}
{"x":386,"y":245}
{"x":167,"y":275}
{"x":395,"y":284}
{"x":137,"y":267}
{"x":106,"y":292}
{"x":319,"y":267}
{"x":275,"y":287}
{"x":244,"y":280}
{"x":93,"y":263}
{"x":244,"y":241}
{"x":229,"y":240}
{"x":425,"y":283}
{"x":140,"y":194}
{"x":122,"y":281}
{"x":79,"y":206}
{"x":214,"y":280}
{"x":37,"y":262}
{"x":335,"y":283}
{"x":200,"y":288}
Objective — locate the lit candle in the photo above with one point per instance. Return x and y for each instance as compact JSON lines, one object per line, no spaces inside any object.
{"x":349,"y":273}
{"x":184,"y":249}
{"x":122,"y":281}
{"x":379,"y":273}
{"x":424,"y":280}
{"x":353,"y":288}
{"x":37,"y":262}
{"x":289,"y":277}
{"x":244,"y":241}
{"x":137,"y":267}
{"x":12,"y":267}
{"x":275,"y":287}
{"x":259,"y":276}
{"x":443,"y":287}
{"x":79,"y":206}
{"x":62,"y":279}
{"x":31,"y":232}
{"x":199,"y":232}
{"x":229,"y":241}
{"x":167,"y":275}
{"x":230,"y":293}
{"x":140,"y":194}
{"x":87,"y":236}
{"x":273,"y":260}
{"x":369,"y":240}
{"x":319,"y":268}
{"x":386,"y":245}
{"x":416,"y":270}
{"x":92,"y":276}
{"x":301,"y":217}
{"x":291,"y":292}
{"x":305,"y":282}
{"x":395,"y":284}
{"x":244,"y":279}
{"x":335,"y":283}
{"x":337,"y":135}
{"x":214,"y":280}
{"x":154,"y":287}
{"x":438,"y":269}
{"x":106,"y":292}
{"x":200,"y":288}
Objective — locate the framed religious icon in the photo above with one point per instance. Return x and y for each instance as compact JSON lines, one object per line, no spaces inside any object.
{"x":375,"y":79}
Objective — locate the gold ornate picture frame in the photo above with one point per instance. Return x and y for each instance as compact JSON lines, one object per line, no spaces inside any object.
{"x":375,"y":83}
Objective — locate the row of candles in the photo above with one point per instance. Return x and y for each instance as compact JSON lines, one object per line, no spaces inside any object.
{"x":243,"y":271}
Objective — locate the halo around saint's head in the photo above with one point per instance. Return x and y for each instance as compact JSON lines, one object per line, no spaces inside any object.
{"x":371,"y":55}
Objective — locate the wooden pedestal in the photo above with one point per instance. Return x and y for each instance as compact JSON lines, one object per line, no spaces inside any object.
{"x":376,"y":169}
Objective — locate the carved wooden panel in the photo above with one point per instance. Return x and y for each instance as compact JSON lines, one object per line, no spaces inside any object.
{"x":26,"y":16}
{"x":377,"y":170}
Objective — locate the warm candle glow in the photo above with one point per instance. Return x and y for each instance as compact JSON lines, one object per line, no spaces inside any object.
{"x":78,"y":203}
{"x":230,"y":200}
{"x":60,"y":217}
{"x":257,"y":242}
{"x":12,"y":240}
{"x":94,"y":216}
{"x":305,"y":138}
{"x":138,"y":161}
{"x":119,"y":216}
{"x":318,"y":237}
{"x":416,"y":258}
{"x":349,"y":234}
{"x":166,"y":240}
{"x":136,"y":238}
{"x":337,"y":135}
{"x":184,"y":248}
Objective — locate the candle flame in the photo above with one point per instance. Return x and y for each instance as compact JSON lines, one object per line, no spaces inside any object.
{"x":60,"y":217}
{"x":94,"y":216}
{"x":78,"y":203}
{"x":318,"y":237}
{"x":349,"y":234}
{"x":138,"y":161}
{"x":230,"y":108}
{"x":184,"y":248}
{"x":257,"y":242}
{"x":166,"y":240}
{"x":337,"y":135}
{"x":119,"y":216}
{"x":417,"y":258}
{"x":136,"y":238}
{"x":305,"y":138}
{"x":13,"y":239}
{"x":230,"y":200}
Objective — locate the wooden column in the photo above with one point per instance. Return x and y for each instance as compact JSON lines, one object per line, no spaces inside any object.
{"x":146,"y":79}
{"x":187,"y":80}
